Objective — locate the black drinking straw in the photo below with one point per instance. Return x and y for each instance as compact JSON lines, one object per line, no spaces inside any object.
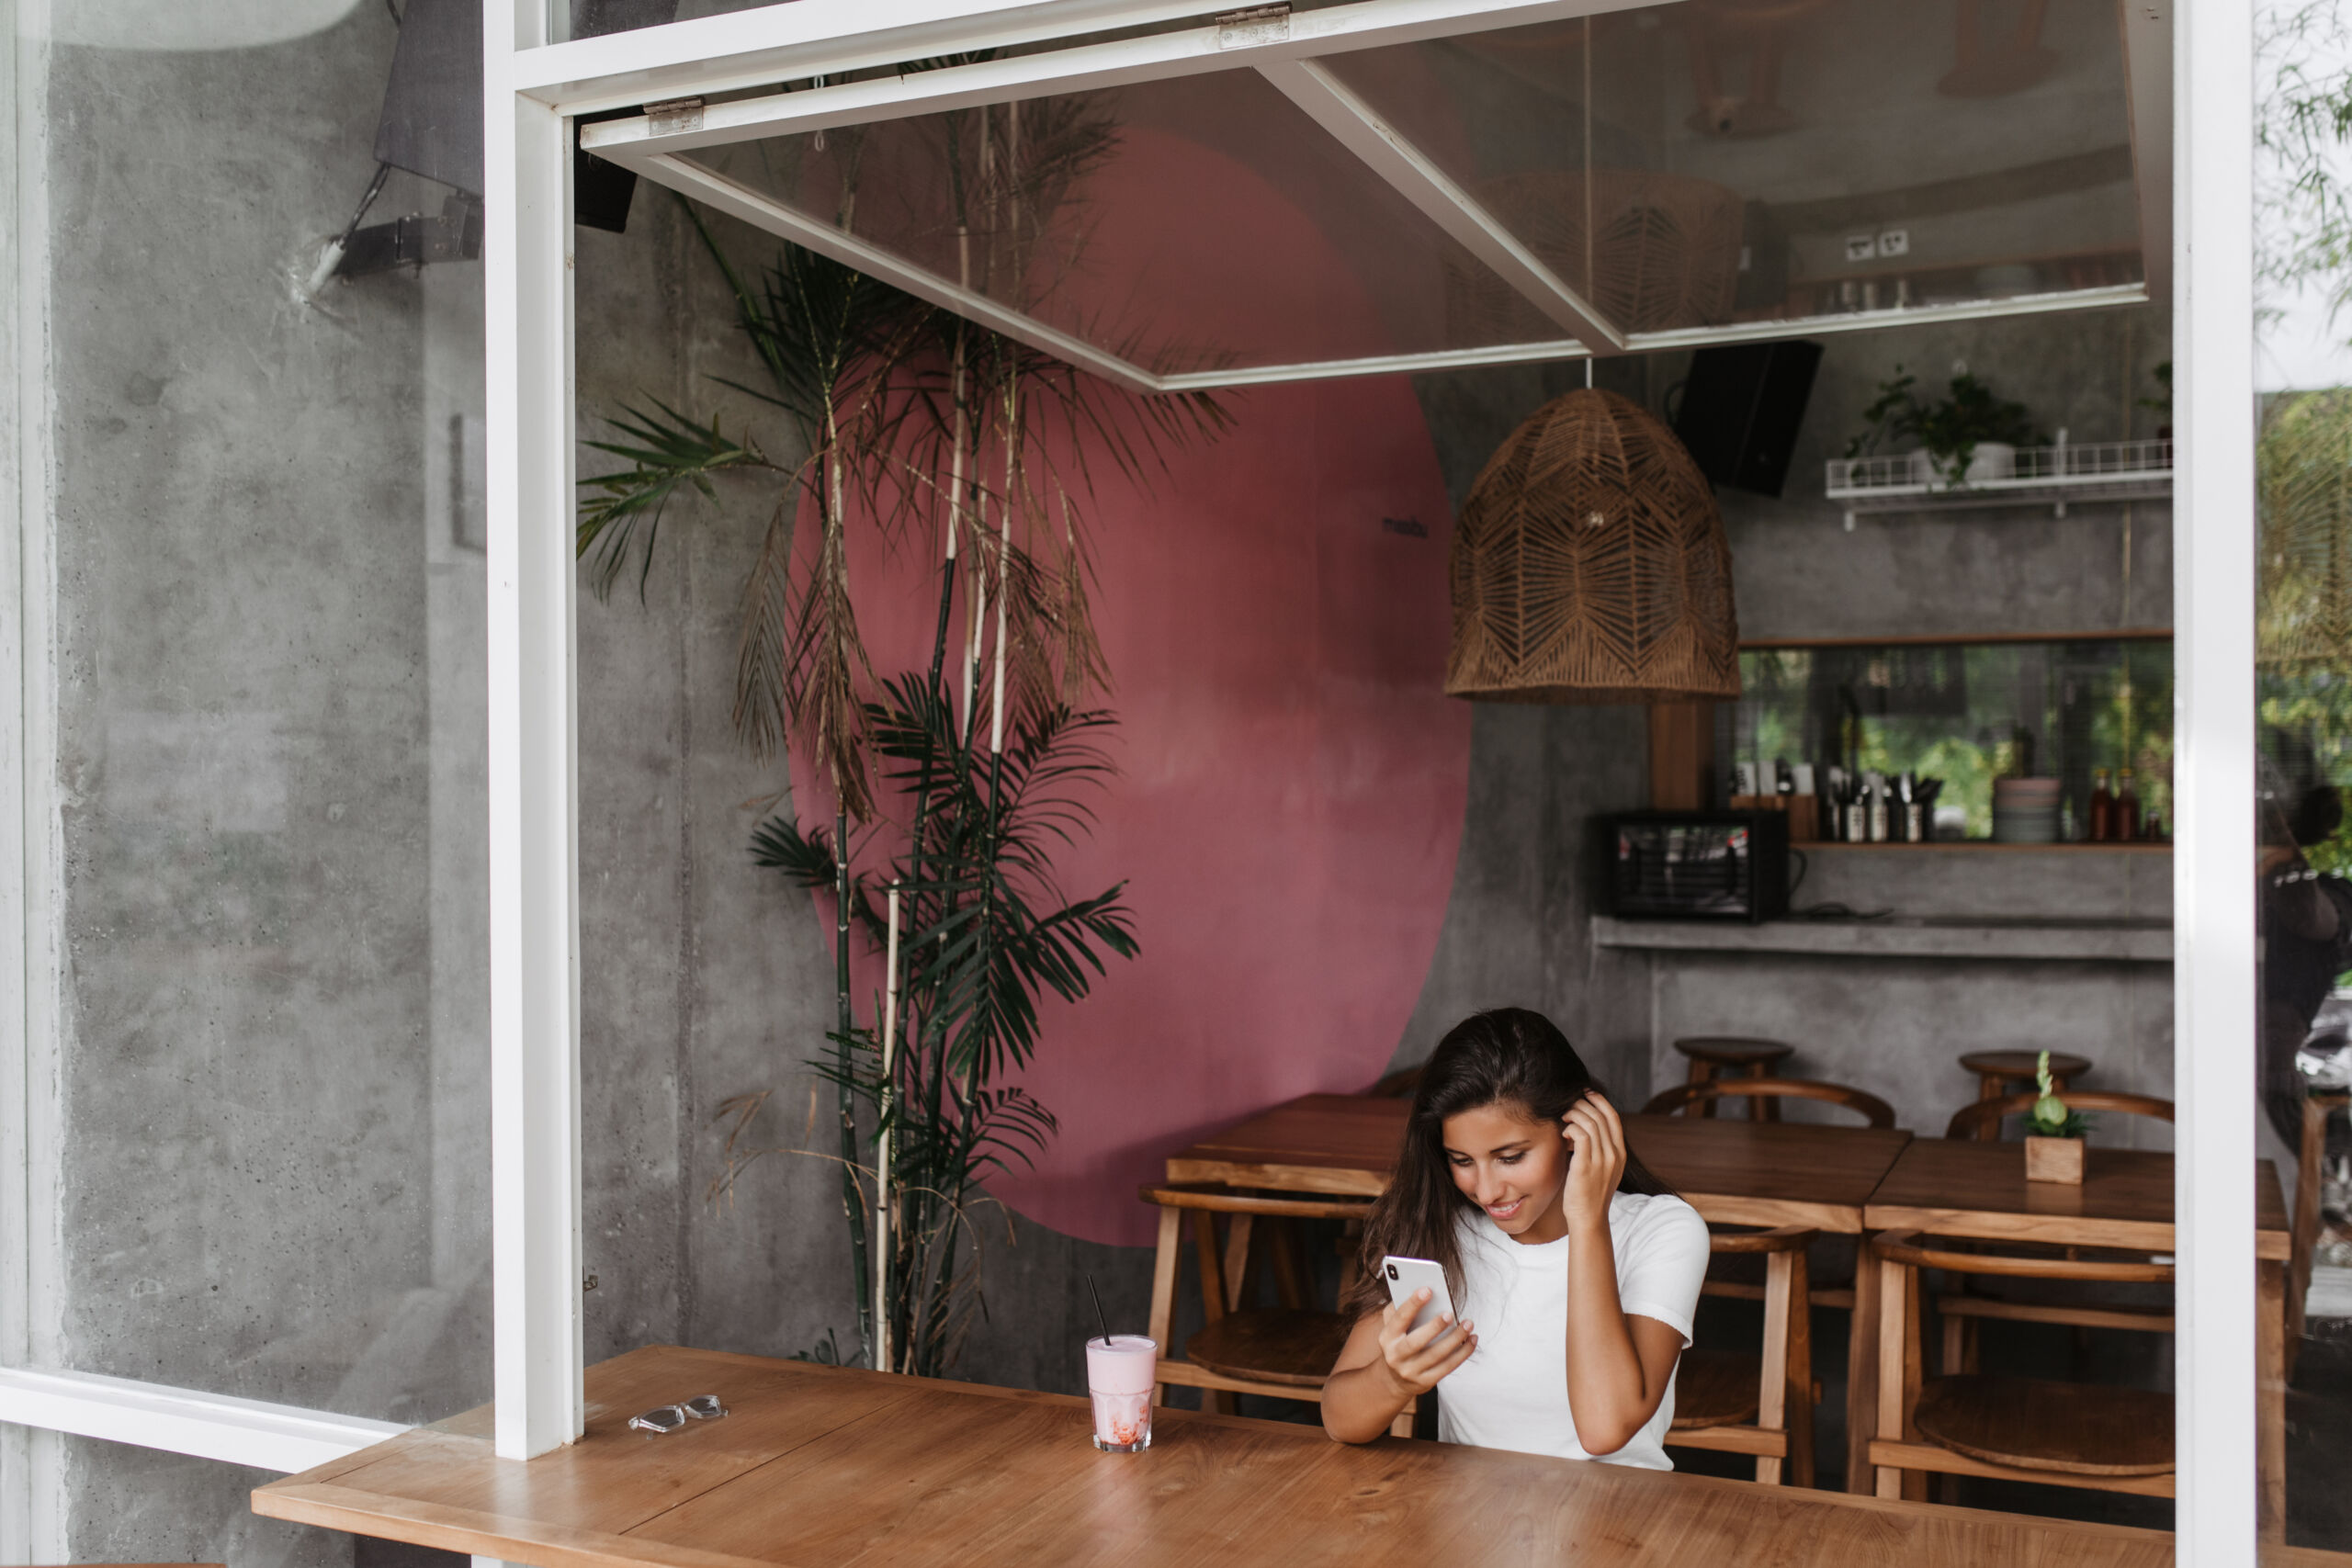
{"x":1098,"y":1308}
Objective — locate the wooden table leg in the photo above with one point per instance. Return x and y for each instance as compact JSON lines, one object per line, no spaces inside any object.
{"x":2270,"y":1396}
{"x":1164,"y":1288}
{"x":1764,"y":1110}
{"x":1862,"y":1371}
{"x":1990,"y":1086}
{"x":1895,"y":1289}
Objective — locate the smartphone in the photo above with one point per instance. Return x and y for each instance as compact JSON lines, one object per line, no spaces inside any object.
{"x":1407,"y":1275}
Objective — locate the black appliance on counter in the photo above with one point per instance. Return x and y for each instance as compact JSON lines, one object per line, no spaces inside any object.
{"x":1710,"y":865}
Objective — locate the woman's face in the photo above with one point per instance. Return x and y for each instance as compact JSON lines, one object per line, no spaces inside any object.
{"x":1511,"y":1166}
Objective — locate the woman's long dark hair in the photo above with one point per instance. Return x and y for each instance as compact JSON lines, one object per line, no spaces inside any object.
{"x":1509,"y":1056}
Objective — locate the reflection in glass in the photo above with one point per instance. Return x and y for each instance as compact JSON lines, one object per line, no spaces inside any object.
{"x":2078,"y":711}
{"x":1195,"y":223}
{"x":2303,"y":687}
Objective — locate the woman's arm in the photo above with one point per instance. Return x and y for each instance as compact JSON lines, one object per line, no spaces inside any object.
{"x":1383,"y":1368}
{"x":1618,"y":1365}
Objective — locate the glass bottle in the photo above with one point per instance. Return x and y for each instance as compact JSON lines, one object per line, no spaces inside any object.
{"x":2126,"y":821}
{"x":2103,"y":826}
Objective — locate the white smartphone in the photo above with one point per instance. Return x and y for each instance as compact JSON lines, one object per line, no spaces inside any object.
{"x":1407,"y":1275}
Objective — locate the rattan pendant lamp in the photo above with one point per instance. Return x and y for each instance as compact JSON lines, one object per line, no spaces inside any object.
{"x":1590,"y":565}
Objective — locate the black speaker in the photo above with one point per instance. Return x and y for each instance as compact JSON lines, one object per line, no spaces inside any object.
{"x":1742,"y":405}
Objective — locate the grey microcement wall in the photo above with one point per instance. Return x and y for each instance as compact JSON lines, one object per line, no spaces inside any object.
{"x":268,"y":675}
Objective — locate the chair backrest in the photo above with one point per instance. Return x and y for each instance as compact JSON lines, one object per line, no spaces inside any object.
{"x":1217,"y":1200}
{"x":1877,"y":1111}
{"x":1904,"y":1247}
{"x":1781,"y":1238}
{"x":1967,"y":1120}
{"x":1398,"y":1085}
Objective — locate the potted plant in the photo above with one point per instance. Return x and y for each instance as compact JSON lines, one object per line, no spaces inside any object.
{"x":1966,"y":437}
{"x":2053,"y":1135}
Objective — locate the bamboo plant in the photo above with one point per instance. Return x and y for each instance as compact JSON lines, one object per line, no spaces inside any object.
{"x":911,"y":418}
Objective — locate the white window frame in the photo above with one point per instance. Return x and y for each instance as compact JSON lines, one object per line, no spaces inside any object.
{"x":532,"y":83}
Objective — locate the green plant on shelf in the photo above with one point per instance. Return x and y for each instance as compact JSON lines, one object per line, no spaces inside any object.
{"x":1949,"y":429}
{"x":2049,"y":1117}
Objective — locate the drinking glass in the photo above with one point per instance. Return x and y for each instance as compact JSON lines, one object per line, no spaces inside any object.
{"x":1118,"y":1375}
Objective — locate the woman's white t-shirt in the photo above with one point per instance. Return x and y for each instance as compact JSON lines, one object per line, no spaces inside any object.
{"x":1513,"y":1390}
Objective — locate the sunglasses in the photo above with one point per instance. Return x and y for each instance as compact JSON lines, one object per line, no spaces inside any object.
{"x":669,"y":1417}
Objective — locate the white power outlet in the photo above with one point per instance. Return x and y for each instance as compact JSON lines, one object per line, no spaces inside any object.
{"x":1861,"y":248}
{"x":1894,"y":242}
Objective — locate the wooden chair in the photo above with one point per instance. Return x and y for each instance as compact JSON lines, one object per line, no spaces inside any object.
{"x":2311,"y":1173}
{"x":2060,"y":1434}
{"x":1714,"y":1055}
{"x":1733,"y":1402}
{"x":1997,"y":1070}
{"x":1398,"y":1085}
{"x":1281,"y":1352}
{"x":1971,"y":1121}
{"x":1876,"y":1111}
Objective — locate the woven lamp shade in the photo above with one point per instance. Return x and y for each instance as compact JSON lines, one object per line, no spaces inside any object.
{"x":1590,"y":565}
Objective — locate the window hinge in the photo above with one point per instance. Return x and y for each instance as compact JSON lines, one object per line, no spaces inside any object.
{"x":1257,"y":25}
{"x":671,"y":115}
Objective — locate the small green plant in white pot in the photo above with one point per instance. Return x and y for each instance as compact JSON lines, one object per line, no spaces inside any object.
{"x":2053,"y":1135}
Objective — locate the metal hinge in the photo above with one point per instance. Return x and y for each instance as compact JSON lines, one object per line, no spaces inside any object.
{"x":671,"y":115}
{"x":1257,"y":25}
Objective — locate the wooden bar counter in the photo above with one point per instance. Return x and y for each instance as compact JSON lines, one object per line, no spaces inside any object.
{"x":824,"y":1467}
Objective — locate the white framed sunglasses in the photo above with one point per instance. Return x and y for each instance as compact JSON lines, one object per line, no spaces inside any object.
{"x":669,"y":1417}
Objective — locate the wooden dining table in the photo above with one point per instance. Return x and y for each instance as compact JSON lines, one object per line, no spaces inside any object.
{"x":831,"y":1467}
{"x":1963,"y":1189}
{"x":1732,"y":1172}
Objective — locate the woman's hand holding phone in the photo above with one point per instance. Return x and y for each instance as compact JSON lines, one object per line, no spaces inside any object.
{"x":1597,"y":1142}
{"x":1417,"y":1359}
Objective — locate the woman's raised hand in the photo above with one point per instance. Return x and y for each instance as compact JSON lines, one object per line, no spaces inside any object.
{"x":1598,"y":1141}
{"x":1417,"y":1359}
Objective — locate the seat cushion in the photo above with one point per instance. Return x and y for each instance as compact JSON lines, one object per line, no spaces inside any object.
{"x":2035,"y":1424}
{"x":1280,"y":1345}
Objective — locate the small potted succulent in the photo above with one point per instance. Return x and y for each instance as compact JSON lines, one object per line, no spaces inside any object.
{"x":2053,"y":1135}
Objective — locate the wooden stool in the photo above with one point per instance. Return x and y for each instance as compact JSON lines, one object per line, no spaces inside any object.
{"x":1995,"y":1070}
{"x":1713,"y":1054}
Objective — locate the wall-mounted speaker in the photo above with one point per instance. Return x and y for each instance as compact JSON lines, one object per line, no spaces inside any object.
{"x":1742,"y":406}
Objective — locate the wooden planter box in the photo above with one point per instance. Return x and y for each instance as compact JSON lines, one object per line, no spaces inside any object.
{"x":2054,"y":1159}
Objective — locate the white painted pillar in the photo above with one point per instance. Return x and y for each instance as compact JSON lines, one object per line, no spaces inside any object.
{"x":2213,"y":776}
{"x":533,"y":754}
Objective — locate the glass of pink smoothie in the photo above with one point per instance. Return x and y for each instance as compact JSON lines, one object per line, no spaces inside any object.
{"x":1118,"y":1374}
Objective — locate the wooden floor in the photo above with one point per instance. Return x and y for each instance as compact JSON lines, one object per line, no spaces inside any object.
{"x":829,"y":1467}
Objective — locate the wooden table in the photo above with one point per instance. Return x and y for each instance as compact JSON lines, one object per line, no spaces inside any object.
{"x":1733,"y":1173}
{"x":1960,"y":1188}
{"x":827,"y":1466}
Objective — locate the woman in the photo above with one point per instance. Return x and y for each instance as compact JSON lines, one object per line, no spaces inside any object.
{"x":1575,"y":1271}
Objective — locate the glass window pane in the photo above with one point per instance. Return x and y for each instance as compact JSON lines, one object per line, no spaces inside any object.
{"x":1194,"y":223}
{"x":2303,"y":692}
{"x":1712,"y":164}
{"x":267,"y":1162}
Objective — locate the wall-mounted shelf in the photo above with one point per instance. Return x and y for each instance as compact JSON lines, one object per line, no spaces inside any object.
{"x":2069,"y":847}
{"x":2050,"y":475}
{"x":1987,"y":938}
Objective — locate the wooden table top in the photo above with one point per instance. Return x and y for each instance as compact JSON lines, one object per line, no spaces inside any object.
{"x":1734,"y":1172}
{"x":1959,"y":1187}
{"x":826,"y":1467}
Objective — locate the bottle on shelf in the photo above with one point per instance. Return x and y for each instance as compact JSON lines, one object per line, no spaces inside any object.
{"x":2102,"y":823}
{"x":2125,"y":827}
